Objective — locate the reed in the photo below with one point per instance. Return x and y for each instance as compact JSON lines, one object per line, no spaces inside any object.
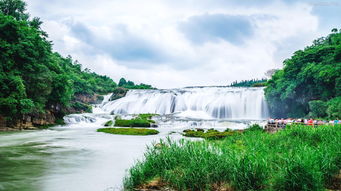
{"x":297,"y":158}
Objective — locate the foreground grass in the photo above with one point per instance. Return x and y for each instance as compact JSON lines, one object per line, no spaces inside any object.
{"x":297,"y":158}
{"x":128,"y":131}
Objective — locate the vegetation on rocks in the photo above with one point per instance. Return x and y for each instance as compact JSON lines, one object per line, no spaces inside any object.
{"x":210,"y":134}
{"x":142,"y":120}
{"x":136,"y":122}
{"x":109,"y":123}
{"x":296,"y":158}
{"x":129,"y":131}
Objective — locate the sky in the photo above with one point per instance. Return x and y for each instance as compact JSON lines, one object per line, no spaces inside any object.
{"x":178,"y":43}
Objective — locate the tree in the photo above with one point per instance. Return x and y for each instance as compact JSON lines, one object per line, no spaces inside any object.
{"x":14,"y":8}
{"x":122,"y":82}
{"x":310,"y":74}
{"x":270,"y":72}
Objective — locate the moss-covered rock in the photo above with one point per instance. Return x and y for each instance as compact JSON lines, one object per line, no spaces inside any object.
{"x":211,"y":134}
{"x":129,"y":131}
{"x":136,"y":122}
{"x":109,"y":123}
{"x":142,"y":120}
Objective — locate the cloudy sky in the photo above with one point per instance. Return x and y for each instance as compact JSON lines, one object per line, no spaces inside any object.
{"x":176,"y":43}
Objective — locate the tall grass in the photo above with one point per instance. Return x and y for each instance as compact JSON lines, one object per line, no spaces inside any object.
{"x":297,"y":158}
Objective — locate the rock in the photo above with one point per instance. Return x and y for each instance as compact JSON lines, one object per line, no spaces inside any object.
{"x":118,"y":93}
{"x":88,"y":98}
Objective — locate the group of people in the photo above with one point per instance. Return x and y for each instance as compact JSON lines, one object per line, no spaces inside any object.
{"x":283,"y":122}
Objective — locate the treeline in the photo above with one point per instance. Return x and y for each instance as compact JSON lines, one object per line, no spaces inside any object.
{"x":33,"y":78}
{"x":131,"y":85}
{"x":249,"y":83}
{"x":309,"y":85}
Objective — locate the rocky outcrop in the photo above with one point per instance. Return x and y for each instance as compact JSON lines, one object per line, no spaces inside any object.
{"x":80,"y":104}
{"x":32,"y":121}
{"x":88,"y":98}
{"x":118,"y":93}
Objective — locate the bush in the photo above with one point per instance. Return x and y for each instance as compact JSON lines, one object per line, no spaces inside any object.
{"x":82,"y":107}
{"x":254,"y":127}
{"x":128,"y":131}
{"x":334,"y":108}
{"x":317,"y":109}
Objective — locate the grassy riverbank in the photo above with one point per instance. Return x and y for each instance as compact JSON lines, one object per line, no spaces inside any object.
{"x":129,"y":131}
{"x":297,"y":158}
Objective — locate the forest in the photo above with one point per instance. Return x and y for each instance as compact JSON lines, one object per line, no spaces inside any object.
{"x":33,"y":78}
{"x":309,"y":85}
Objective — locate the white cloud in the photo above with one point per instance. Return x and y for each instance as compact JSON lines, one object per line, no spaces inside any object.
{"x":141,"y":40}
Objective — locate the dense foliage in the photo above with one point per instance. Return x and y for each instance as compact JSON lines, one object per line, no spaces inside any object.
{"x":298,"y":158}
{"x":142,"y":120}
{"x":309,"y":85}
{"x":32,"y":77}
{"x":249,"y":83}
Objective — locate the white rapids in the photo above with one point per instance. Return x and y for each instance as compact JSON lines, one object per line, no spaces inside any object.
{"x":208,"y":102}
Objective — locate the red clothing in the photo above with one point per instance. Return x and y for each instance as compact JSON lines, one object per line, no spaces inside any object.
{"x":310,"y":122}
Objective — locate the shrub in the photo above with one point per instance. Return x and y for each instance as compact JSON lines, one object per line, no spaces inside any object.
{"x":334,"y":108}
{"x":254,"y":127}
{"x":82,"y":107}
{"x":317,"y":108}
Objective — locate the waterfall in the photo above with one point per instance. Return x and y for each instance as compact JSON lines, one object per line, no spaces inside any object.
{"x":214,"y":102}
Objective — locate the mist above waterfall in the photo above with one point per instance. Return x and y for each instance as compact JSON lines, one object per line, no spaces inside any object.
{"x":207,"y":102}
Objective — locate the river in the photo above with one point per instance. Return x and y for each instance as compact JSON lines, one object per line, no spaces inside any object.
{"x":75,"y":157}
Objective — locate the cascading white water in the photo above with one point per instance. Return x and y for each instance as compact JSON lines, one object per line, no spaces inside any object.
{"x":214,"y":102}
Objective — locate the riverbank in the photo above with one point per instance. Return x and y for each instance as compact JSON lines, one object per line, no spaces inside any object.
{"x":296,"y":158}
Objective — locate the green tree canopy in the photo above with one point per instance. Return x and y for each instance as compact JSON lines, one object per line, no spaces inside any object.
{"x":309,"y":75}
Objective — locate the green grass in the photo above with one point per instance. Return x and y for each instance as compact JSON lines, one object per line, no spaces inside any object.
{"x":142,"y":120}
{"x":128,"y":131}
{"x":296,"y":158}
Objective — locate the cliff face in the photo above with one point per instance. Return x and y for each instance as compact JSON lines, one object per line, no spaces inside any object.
{"x":31,"y":121}
{"x":81,"y":104}
{"x":88,"y":99}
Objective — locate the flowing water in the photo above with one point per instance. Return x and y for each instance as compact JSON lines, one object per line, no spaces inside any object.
{"x":76,"y":157}
{"x":209,"y":102}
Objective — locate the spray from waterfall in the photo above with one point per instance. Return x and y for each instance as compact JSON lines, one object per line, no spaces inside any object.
{"x":208,"y":102}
